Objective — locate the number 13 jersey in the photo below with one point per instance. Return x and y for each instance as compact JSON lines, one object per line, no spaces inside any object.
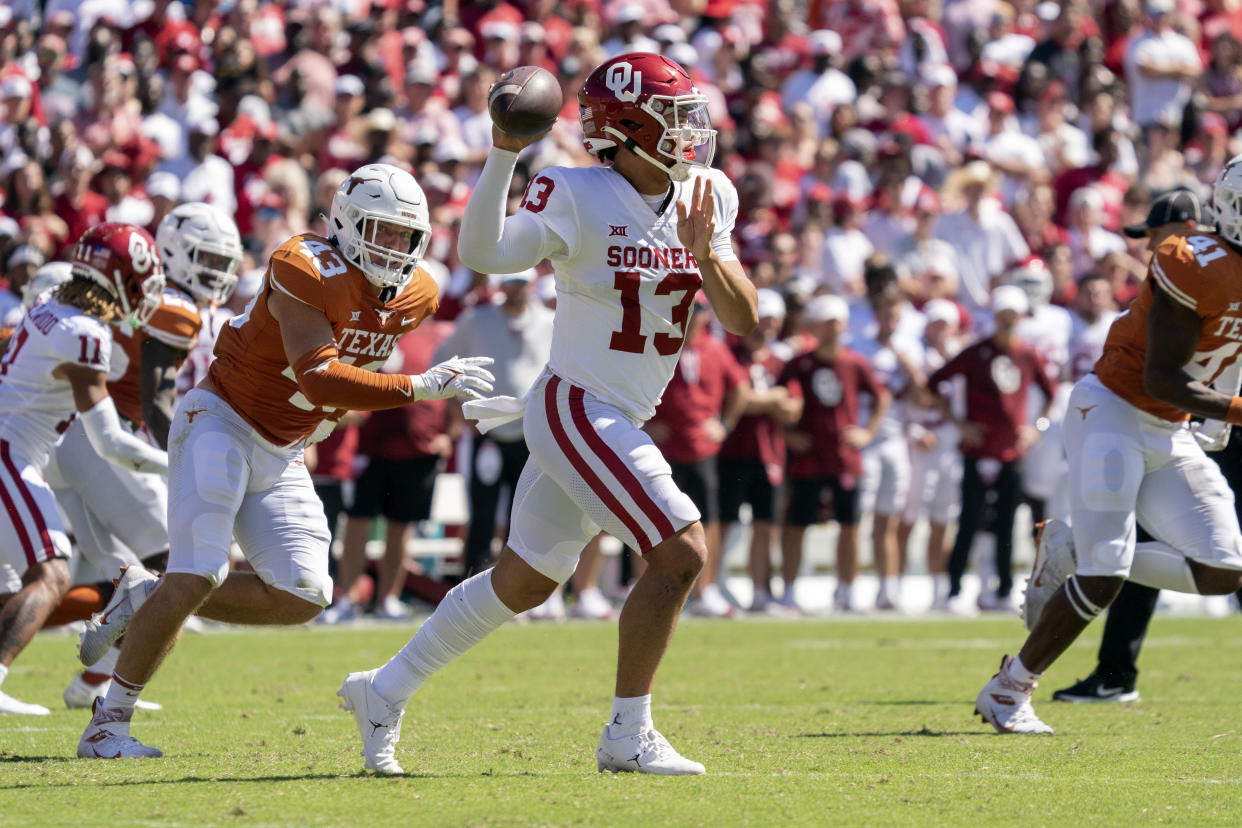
{"x":625,"y":283}
{"x":1201,"y":272}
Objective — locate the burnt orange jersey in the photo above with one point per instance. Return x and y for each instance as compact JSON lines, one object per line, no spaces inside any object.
{"x":176,"y":324}
{"x":1203,"y":273}
{"x":251,"y":371}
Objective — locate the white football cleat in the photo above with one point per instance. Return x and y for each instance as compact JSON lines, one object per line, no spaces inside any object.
{"x":1006,"y":705}
{"x":105,"y":628}
{"x":593,"y":606}
{"x":646,"y":752}
{"x":107,"y":737}
{"x":81,"y":694}
{"x":1054,"y":564}
{"x":713,"y":604}
{"x":379,"y":723}
{"x":10,"y":705}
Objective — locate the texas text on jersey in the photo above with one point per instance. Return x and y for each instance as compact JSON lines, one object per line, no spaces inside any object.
{"x":625,"y":282}
{"x":251,"y":371}
{"x":1201,"y":272}
{"x":176,"y":323}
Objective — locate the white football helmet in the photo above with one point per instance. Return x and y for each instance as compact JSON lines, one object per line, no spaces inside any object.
{"x":202,"y":251}
{"x":1035,"y":280}
{"x":1227,"y":200}
{"x":374,"y":196}
{"x":51,"y":275}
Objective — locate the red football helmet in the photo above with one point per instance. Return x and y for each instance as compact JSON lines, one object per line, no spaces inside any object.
{"x":123,"y":259}
{"x":648,"y":104}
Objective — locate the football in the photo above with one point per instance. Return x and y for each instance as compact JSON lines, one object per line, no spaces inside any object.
{"x":524,"y":101}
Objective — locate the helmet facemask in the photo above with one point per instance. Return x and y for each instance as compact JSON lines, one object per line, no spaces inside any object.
{"x":213,"y":273}
{"x":689,"y":139}
{"x":382,"y":265}
{"x":152,"y":298}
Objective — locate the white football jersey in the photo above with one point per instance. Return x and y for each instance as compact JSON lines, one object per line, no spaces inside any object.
{"x":35,"y":407}
{"x":625,"y":284}
{"x":892,"y":375}
{"x":1087,"y":344}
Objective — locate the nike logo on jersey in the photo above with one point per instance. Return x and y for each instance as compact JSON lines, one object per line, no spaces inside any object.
{"x":1083,"y":411}
{"x":409,"y":320}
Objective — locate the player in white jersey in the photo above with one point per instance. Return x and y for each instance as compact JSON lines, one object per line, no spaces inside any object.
{"x":935,"y":462}
{"x":631,"y":244}
{"x":120,"y":515}
{"x":1094,"y":311}
{"x":1047,"y":329}
{"x":56,"y":364}
{"x":885,"y":482}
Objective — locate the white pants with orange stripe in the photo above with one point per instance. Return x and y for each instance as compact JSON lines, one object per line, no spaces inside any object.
{"x":32,"y":530}
{"x":591,"y":467}
{"x":226,"y":480}
{"x":1126,"y":464}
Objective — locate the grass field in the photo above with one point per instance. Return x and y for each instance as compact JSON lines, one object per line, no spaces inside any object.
{"x":856,"y":722}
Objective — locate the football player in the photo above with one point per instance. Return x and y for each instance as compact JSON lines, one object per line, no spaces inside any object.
{"x":301,"y":355}
{"x":1132,"y":457}
{"x":56,"y":363}
{"x":119,"y":516}
{"x":631,"y":242}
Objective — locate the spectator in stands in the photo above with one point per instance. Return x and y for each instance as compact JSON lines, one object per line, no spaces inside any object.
{"x":846,"y":248}
{"x":825,"y":441}
{"x":1161,"y":67}
{"x":998,"y":372}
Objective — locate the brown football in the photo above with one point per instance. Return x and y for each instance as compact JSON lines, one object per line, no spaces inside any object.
{"x":524,"y":101}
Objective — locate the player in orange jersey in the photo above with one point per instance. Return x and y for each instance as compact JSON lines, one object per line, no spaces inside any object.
{"x":1132,"y":455}
{"x":120,"y":516}
{"x":300,"y":356}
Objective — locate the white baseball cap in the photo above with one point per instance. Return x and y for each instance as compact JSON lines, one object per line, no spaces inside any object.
{"x":1010,"y":297}
{"x":826,"y":308}
{"x":942,"y":310}
{"x":164,"y":184}
{"x":771,"y":304}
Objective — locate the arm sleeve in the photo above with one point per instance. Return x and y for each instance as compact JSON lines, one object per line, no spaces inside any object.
{"x":329,"y":383}
{"x":490,"y":243}
{"x":110,"y":441}
{"x":726,"y":216}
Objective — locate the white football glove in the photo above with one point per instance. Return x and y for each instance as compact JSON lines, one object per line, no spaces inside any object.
{"x":456,"y":377}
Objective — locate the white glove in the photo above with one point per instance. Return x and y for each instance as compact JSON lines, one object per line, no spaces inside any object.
{"x":456,"y":377}
{"x":1211,"y":435}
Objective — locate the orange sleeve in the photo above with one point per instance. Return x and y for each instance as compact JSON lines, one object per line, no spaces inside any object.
{"x":293,"y":272}
{"x":329,"y":383}
{"x":176,"y":324}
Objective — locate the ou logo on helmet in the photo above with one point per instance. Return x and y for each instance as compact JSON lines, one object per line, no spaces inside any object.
{"x":139,"y":253}
{"x":622,"y":75}
{"x":1006,"y":375}
{"x":827,"y":387}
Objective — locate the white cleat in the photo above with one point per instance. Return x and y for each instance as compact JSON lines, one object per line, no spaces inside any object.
{"x":593,"y":606}
{"x":105,"y":628}
{"x":13,"y":707}
{"x":1054,"y":564}
{"x":1006,"y":705}
{"x":107,"y":737}
{"x":379,"y":723}
{"x":647,"y":752}
{"x":81,"y":694}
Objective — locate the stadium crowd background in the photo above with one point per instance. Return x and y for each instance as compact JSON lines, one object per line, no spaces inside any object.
{"x":855,"y":130}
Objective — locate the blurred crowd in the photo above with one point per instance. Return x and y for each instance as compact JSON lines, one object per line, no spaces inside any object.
{"x":946,"y":145}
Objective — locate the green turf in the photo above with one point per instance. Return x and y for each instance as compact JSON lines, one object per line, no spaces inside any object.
{"x":799,"y":723}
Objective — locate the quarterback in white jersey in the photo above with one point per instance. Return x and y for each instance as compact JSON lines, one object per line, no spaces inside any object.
{"x":631,"y":244}
{"x":55,"y":367}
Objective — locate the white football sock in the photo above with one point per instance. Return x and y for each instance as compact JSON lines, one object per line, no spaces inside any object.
{"x":892,"y":587}
{"x":122,"y":695}
{"x":1159,"y":565}
{"x":466,"y":616}
{"x":1019,"y":673}
{"x":4,"y":671}
{"x":940,"y":587}
{"x":107,"y":664}
{"x":630,"y":716}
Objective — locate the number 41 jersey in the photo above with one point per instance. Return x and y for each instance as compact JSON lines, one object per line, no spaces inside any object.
{"x":1201,"y":272}
{"x":625,"y":284}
